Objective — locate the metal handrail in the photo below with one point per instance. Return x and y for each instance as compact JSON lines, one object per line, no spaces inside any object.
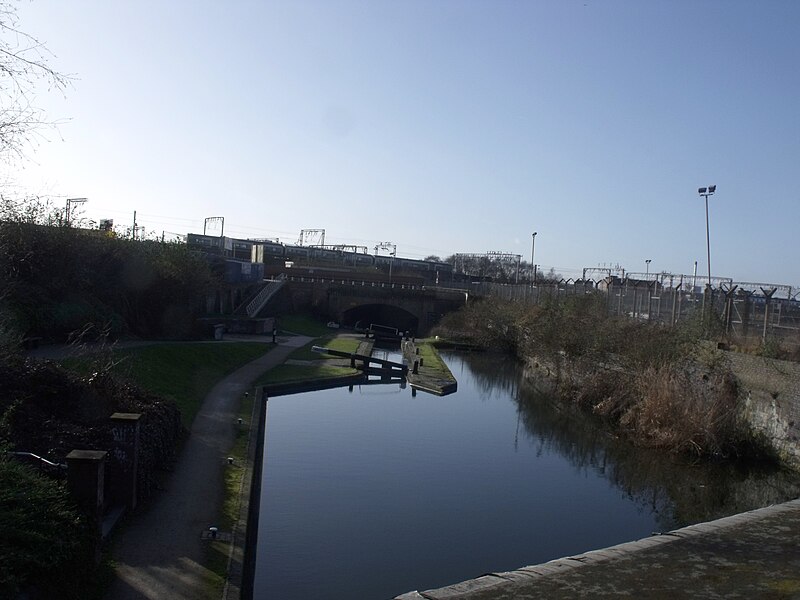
{"x":257,"y":303}
{"x":40,"y":459}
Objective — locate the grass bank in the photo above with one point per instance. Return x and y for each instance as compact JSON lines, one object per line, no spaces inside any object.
{"x":183,"y":372}
{"x":218,"y":553}
{"x":652,"y":383}
{"x":316,"y":365}
{"x":303,"y":325}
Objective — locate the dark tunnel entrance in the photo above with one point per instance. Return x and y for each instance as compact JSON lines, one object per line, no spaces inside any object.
{"x":380,"y":314}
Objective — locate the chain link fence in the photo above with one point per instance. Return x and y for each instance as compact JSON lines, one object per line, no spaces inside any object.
{"x":747,"y":313}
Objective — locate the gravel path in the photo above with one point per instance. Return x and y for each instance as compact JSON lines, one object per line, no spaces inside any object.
{"x":159,"y":553}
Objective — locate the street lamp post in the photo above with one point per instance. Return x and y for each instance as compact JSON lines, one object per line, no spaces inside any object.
{"x":706,"y":192}
{"x":70,"y":202}
{"x":533,"y":265}
{"x":647,"y":268}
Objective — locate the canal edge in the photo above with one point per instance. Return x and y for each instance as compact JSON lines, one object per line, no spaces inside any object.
{"x":239,"y":585}
{"x":529,"y":574}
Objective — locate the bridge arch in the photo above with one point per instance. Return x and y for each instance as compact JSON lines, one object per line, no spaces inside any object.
{"x":380,"y":313}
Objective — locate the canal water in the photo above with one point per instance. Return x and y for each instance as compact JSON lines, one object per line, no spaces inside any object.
{"x":374,"y":492}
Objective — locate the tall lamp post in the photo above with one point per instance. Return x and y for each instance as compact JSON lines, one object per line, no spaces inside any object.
{"x":706,"y":192}
{"x":70,"y":202}
{"x":647,"y":268}
{"x":533,"y":265}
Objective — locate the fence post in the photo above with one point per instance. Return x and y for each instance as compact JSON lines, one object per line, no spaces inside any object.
{"x":675,"y":292}
{"x":746,"y":296}
{"x":729,"y":308}
{"x":767,"y":301}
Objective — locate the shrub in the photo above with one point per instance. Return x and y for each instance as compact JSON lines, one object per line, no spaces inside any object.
{"x":42,"y":531}
{"x":684,"y":410}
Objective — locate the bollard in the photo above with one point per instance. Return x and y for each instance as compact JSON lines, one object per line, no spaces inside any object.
{"x":240,"y":420}
{"x":213,"y":531}
{"x":416,"y":367}
{"x":416,"y":351}
{"x":421,"y":362}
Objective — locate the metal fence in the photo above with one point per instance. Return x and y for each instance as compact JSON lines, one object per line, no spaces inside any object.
{"x":742,"y":311}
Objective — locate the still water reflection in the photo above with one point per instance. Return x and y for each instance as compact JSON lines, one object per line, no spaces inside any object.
{"x":372,"y":493}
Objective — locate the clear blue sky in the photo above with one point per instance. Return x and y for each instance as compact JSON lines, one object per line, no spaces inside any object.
{"x":442,"y":126}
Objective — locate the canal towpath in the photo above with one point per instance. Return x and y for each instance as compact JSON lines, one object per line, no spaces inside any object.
{"x":159,"y":553}
{"x":750,"y":555}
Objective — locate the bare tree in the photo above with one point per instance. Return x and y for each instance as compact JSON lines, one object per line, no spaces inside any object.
{"x":24,"y":66}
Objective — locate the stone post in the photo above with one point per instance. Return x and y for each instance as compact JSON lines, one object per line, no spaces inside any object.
{"x":85,"y":480}
{"x":125,"y":433}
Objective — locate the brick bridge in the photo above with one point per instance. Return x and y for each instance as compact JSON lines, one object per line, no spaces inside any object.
{"x":350,"y":302}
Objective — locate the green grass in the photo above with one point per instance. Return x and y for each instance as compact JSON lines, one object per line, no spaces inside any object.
{"x":344,"y":344}
{"x":184,"y":372}
{"x":286,"y":373}
{"x":230,"y":503}
{"x":303,"y":324}
{"x":431,"y":357}
{"x":341,"y":343}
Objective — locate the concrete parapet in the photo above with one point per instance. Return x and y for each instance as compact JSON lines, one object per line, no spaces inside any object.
{"x":754,"y":554}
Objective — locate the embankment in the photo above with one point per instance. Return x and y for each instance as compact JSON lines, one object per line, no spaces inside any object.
{"x":758,"y":397}
{"x":770,"y":392}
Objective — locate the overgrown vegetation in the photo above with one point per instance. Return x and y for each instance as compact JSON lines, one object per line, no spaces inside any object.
{"x":653,"y":383}
{"x":45,"y":540}
{"x":62,"y":280}
{"x":49,"y":410}
{"x":46,"y":410}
